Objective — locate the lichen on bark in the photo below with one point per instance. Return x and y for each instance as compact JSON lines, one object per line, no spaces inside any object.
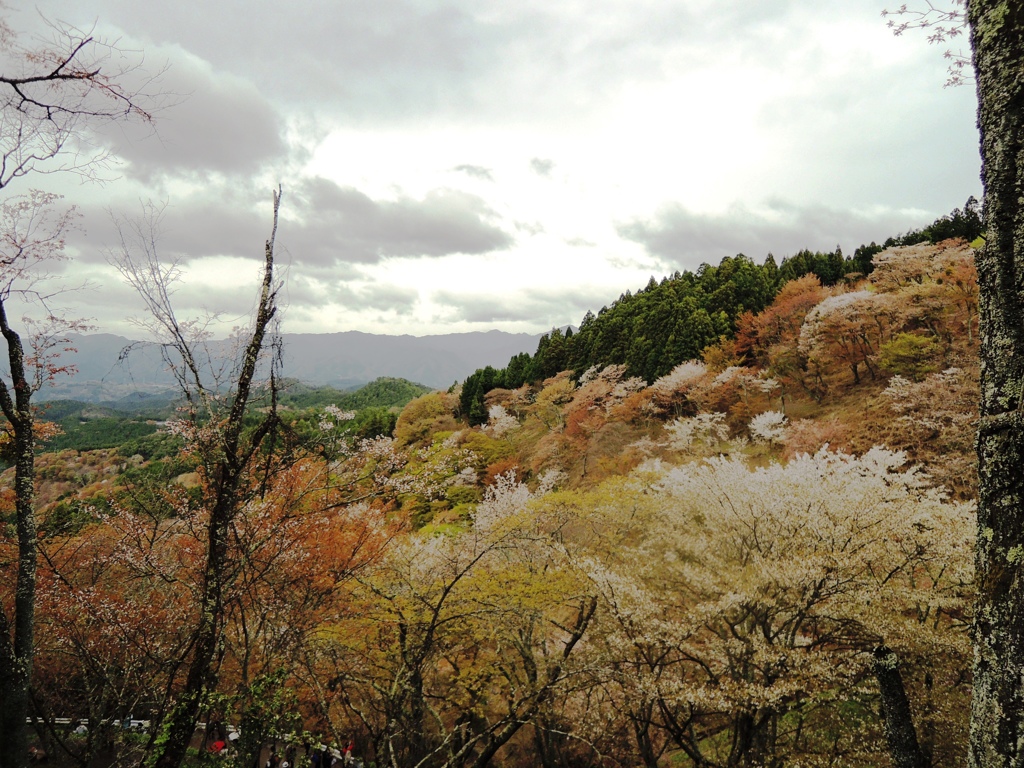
{"x":997,"y":716}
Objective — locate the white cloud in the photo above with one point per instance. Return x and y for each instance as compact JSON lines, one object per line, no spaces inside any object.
{"x":474,"y":165}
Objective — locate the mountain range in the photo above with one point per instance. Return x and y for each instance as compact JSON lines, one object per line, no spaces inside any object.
{"x":109,"y":367}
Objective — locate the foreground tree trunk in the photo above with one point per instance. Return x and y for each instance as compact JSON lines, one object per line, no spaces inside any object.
{"x":897,"y":722}
{"x":997,"y":715}
{"x":48,"y":99}
{"x":33,"y":234}
{"x":16,"y":650}
{"x":228,"y":460}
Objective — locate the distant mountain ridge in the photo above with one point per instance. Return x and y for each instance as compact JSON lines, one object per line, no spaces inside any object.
{"x":343,"y":360}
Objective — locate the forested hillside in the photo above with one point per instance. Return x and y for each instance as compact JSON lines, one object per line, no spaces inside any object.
{"x":724,"y":564}
{"x":676,"y":319}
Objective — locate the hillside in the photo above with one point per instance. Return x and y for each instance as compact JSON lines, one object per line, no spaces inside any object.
{"x":676,"y":319}
{"x":761,"y":518}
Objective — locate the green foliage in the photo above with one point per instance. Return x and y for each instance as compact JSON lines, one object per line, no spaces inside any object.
{"x":305,"y":429}
{"x":374,"y":422}
{"x":862,"y":263}
{"x":910,"y":355}
{"x":152,"y":447}
{"x":375,"y":405}
{"x":267,"y":710}
{"x":486,"y":449}
{"x":384,"y":392}
{"x":463,"y":494}
{"x":68,"y":517}
{"x":144,"y":489}
{"x":90,"y":426}
{"x":665,"y":323}
{"x":60,"y":410}
{"x":422,"y":418}
{"x":478,"y":384}
{"x":828,"y":267}
{"x":106,"y":432}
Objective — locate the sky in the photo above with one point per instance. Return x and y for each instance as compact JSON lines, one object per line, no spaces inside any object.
{"x":473,"y":164}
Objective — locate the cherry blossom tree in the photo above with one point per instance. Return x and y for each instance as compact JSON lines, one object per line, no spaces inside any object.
{"x":742,"y":609}
{"x":452,"y":644}
{"x":936,"y":285}
{"x":768,"y":427}
{"x":936,"y":420}
{"x":847,"y":329}
{"x":671,"y":390}
{"x":112,"y":598}
{"x":944,"y":23}
{"x":55,"y":93}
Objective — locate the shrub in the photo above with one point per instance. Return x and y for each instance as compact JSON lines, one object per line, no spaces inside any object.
{"x":910,"y":355}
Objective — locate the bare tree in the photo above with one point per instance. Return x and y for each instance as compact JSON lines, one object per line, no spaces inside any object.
{"x":31,"y":236}
{"x":229,"y":456}
{"x":55,"y":93}
{"x":51,"y":96}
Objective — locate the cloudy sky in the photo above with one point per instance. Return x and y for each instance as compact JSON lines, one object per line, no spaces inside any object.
{"x":457,"y":165}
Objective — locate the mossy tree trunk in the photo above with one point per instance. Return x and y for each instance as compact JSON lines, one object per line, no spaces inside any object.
{"x":17,"y":632}
{"x":997,"y":716}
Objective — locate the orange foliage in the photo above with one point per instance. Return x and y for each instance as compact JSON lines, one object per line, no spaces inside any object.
{"x":44,"y":430}
{"x":721,"y":355}
{"x":119,"y":600}
{"x":937,"y":287}
{"x":779,"y":325}
{"x":515,"y":401}
{"x":503,"y":467}
{"x":639,"y":408}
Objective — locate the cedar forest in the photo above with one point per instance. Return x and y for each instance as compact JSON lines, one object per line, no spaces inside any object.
{"x":729,"y":520}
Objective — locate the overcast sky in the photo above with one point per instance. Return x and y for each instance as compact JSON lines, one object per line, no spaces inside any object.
{"x":478,"y":164}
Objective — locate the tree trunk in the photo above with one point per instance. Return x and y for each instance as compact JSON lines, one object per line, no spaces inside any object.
{"x":641,"y":722}
{"x":552,"y":677}
{"x":16,"y":652}
{"x":900,"y":734}
{"x":997,"y":713}
{"x":227,"y":477}
{"x":202,"y":675}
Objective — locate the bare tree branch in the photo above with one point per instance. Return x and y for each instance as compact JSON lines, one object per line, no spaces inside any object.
{"x":54,"y":94}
